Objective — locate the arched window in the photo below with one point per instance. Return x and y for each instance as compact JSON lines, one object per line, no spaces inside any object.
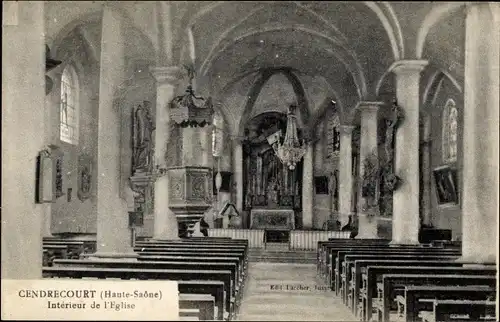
{"x":68,"y":115}
{"x":450,"y":132}
{"x":217,"y":134}
{"x":333,"y":136}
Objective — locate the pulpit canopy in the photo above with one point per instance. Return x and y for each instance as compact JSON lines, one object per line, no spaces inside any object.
{"x":190,"y":110}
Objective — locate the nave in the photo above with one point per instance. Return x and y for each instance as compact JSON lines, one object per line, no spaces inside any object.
{"x":353,"y":280}
{"x":362,"y":136}
{"x":289,"y":292}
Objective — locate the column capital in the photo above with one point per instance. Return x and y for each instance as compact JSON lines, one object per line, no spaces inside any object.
{"x":170,"y":75}
{"x":408,"y":66}
{"x":346,"y":129}
{"x":367,"y":106}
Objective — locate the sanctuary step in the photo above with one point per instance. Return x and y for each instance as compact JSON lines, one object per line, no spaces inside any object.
{"x":279,"y":253}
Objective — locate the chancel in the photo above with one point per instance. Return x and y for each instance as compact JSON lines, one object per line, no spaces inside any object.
{"x":279,"y":160}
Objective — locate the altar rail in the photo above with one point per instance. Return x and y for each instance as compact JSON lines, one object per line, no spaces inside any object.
{"x":308,"y":239}
{"x":255,"y":237}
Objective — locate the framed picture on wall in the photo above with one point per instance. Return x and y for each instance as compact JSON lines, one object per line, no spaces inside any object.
{"x":446,"y":184}
{"x":321,"y":185}
{"x":44,"y":178}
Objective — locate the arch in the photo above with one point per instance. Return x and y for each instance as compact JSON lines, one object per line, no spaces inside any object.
{"x":264,"y":29}
{"x":254,"y":91}
{"x":395,"y":34}
{"x":63,"y":32}
{"x":354,"y":67}
{"x":433,"y":85}
{"x":93,"y":17}
{"x":438,"y":12}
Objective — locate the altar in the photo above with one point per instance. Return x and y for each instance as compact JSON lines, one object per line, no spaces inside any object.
{"x":265,"y":218}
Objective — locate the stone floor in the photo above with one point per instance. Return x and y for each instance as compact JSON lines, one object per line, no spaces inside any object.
{"x":284,"y":291}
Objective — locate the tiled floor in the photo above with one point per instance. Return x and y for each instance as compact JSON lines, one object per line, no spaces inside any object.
{"x":283,"y":291}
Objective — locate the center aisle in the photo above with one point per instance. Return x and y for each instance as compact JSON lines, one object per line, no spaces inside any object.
{"x":286,"y":291}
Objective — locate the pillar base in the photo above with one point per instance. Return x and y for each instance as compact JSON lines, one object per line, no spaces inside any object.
{"x":405,"y":242}
{"x":367,"y":226}
{"x":477,"y":261}
{"x":111,"y":256}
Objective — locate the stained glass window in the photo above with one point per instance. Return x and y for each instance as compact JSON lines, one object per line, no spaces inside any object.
{"x":69,"y":106}
{"x":450,"y":132}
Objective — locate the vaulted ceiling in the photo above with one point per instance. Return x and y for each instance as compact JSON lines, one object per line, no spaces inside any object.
{"x":348,"y":46}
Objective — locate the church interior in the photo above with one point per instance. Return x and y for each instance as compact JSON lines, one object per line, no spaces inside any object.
{"x":280,"y":160}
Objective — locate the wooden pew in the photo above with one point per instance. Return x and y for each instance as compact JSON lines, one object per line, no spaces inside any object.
{"x":214,"y":288}
{"x":189,"y":314}
{"x":55,"y":251}
{"x":400,"y":277}
{"x":177,"y":265}
{"x":405,"y":252}
{"x":187,"y":257}
{"x":86,"y":245}
{"x":204,"y":302}
{"x":361,"y":265}
{"x":332,"y":252}
{"x":410,"y":304}
{"x":74,"y":249}
{"x":443,"y":309}
{"x":322,"y":251}
{"x":142,"y":274}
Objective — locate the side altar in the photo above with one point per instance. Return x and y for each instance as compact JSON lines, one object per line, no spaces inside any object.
{"x":265,"y":218}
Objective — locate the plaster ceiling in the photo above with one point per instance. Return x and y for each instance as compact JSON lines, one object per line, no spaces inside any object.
{"x":345,"y":42}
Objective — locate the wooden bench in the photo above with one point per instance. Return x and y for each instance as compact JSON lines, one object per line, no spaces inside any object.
{"x":197,"y":258}
{"x":52,"y":252}
{"x":214,"y":288}
{"x":361,"y":265}
{"x":84,"y":245}
{"x":74,"y":249}
{"x":398,"y":279}
{"x":407,"y":253}
{"x":205,"y":303}
{"x":475,"y":311}
{"x":332,"y":253}
{"x":412,"y":302}
{"x":178,"y":265}
{"x":339,"y":267}
{"x":143,"y":274}
{"x":189,"y":314}
{"x":322,"y":252}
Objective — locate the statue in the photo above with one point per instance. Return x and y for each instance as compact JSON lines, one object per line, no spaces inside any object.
{"x":272,"y":192}
{"x":392,"y":124}
{"x":142,"y":137}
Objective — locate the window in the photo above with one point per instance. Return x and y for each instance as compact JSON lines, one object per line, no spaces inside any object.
{"x":333,"y":136}
{"x":217,"y":134}
{"x":68,"y":119}
{"x":450,"y":132}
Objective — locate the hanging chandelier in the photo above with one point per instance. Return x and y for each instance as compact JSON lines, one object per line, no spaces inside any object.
{"x":291,"y":151}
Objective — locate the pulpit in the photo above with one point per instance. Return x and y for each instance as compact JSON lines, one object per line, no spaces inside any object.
{"x":272,"y":219}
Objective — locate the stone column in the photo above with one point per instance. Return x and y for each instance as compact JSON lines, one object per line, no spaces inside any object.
{"x":167,"y":80}
{"x":23,"y":89}
{"x":367,"y":218}
{"x":114,"y":237}
{"x":480,"y":138}
{"x":238,"y":173}
{"x":308,"y":189}
{"x":406,"y":221}
{"x":345,"y":173}
{"x":426,"y":171}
